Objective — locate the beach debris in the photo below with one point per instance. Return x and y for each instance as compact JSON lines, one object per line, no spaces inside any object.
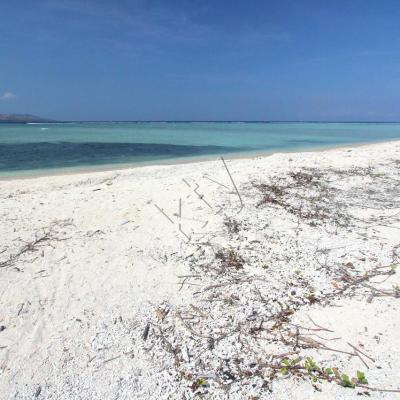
{"x":240,"y":311}
{"x":232,"y":225}
{"x":20,"y":308}
{"x":112,"y":359}
{"x":229,"y":259}
{"x":206,"y":176}
{"x":38,"y":391}
{"x":234,"y":185}
{"x":44,"y":237}
{"x":94,"y":233}
{"x":146,"y":332}
{"x":201,"y":196}
{"x":163,"y":213}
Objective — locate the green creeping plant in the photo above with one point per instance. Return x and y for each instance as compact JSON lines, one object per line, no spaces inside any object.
{"x":361,"y":378}
{"x":311,"y":365}
{"x":289,"y":364}
{"x":346,"y":382}
{"x":316,"y":373}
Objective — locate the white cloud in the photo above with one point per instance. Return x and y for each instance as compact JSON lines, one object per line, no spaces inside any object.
{"x":8,"y":96}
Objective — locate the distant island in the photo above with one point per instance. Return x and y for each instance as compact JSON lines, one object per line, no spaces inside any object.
{"x":22,"y":118}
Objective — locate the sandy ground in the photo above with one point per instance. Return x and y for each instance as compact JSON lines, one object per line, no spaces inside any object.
{"x":94,"y":266}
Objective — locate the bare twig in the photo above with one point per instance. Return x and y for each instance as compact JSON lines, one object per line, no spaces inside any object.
{"x":234,"y":185}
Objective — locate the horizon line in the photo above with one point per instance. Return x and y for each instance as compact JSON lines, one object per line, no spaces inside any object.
{"x":205,"y":121}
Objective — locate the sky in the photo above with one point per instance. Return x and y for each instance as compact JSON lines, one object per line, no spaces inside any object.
{"x":201,"y":60}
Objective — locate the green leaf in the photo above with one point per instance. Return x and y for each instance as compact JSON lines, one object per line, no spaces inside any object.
{"x":346,"y":382}
{"x":295,"y":361}
{"x":361,"y":377}
{"x":328,"y":371}
{"x":311,"y":365}
{"x":202,"y":382}
{"x":284,"y":371}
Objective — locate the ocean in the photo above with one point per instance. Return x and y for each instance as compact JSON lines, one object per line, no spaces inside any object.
{"x":48,"y":148}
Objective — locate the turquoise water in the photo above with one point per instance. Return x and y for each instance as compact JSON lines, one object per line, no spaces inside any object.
{"x":35,"y":149}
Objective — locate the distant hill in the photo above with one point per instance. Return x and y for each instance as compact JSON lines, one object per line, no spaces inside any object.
{"x":21,"y":118}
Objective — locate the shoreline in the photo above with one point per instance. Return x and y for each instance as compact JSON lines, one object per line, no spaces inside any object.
{"x":123,"y":167}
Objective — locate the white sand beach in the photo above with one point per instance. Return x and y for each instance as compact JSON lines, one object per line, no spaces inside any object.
{"x":165,"y":282}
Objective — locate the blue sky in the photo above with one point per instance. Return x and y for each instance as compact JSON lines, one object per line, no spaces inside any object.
{"x":201,"y":60}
